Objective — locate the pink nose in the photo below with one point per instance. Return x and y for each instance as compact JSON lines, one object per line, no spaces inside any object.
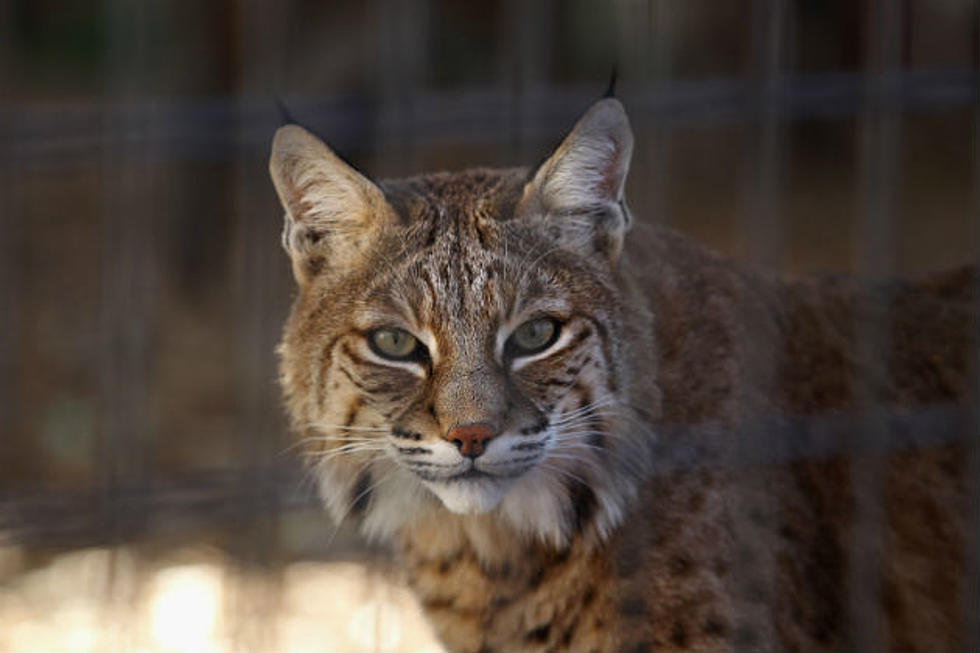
{"x":470,"y":438}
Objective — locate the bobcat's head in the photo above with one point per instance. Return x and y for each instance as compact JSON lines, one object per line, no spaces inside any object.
{"x":466,"y":339}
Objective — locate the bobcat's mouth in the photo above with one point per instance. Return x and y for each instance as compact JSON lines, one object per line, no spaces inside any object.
{"x":471,"y":485}
{"x":473,"y":473}
{"x":470,"y":474}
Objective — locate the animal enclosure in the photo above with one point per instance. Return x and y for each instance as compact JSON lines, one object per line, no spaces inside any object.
{"x":145,"y":468}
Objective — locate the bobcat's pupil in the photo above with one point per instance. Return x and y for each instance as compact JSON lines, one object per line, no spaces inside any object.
{"x":397,"y":344}
{"x":533,"y":336}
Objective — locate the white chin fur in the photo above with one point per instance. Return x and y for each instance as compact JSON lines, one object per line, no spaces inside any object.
{"x":469,"y":497}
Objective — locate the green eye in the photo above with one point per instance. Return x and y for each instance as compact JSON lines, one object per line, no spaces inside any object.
{"x":533,"y":336}
{"x":395,"y":344}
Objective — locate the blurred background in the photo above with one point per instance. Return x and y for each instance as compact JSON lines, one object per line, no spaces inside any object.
{"x":148,"y":496}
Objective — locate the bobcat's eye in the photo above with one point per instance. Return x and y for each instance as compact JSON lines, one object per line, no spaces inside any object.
{"x":533,"y":336}
{"x":396,"y":344}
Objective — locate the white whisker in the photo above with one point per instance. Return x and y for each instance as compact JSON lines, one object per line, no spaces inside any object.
{"x":353,"y":502}
{"x":566,"y":472}
{"x":583,"y":412}
{"x":330,"y":454}
{"x":343,"y":427}
{"x":326,"y":438}
{"x":565,"y":442}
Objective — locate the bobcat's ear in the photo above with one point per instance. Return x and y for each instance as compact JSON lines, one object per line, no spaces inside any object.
{"x":333,"y":213}
{"x":579,"y":188}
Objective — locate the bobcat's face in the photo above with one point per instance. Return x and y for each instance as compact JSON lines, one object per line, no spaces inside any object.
{"x":458,"y":336}
{"x":474,"y":357}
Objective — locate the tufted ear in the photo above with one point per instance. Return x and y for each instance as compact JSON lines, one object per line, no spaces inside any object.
{"x":333,"y":213}
{"x":579,"y":188}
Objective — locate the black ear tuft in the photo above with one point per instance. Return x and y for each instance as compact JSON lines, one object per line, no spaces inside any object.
{"x":611,"y":89}
{"x":285,"y":117}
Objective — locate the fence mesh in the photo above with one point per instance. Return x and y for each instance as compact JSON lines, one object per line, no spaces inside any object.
{"x":143,"y":452}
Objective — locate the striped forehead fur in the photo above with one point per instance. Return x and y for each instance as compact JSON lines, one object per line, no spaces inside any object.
{"x":455,"y":245}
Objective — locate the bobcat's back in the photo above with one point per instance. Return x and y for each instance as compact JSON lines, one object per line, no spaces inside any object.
{"x":796,"y":511}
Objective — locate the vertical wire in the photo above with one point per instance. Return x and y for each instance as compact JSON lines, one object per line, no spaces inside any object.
{"x":523,"y":70}
{"x":972,"y":594}
{"x":261,"y":61}
{"x":753,"y":581}
{"x":760,"y":223}
{"x":879,"y":124}
{"x":403,"y":62}
{"x":516,"y":73}
{"x":508,"y":73}
{"x":248,"y":531}
{"x":11,"y":218}
{"x":109,"y":295}
{"x":403,"y":46}
{"x":401,"y":43}
{"x":659,"y":30}
{"x":126,"y":286}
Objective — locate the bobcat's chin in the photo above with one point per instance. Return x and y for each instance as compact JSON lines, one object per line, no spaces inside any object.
{"x":471,"y":495}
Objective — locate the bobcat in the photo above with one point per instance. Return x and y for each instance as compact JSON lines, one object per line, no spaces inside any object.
{"x":581,"y":440}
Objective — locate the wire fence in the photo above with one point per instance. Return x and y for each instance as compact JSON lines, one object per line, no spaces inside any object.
{"x":151,"y":166}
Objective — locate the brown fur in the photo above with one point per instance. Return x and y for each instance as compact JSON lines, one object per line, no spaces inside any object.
{"x":730,"y":547}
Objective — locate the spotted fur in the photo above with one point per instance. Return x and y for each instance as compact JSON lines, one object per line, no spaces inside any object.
{"x":569,"y":532}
